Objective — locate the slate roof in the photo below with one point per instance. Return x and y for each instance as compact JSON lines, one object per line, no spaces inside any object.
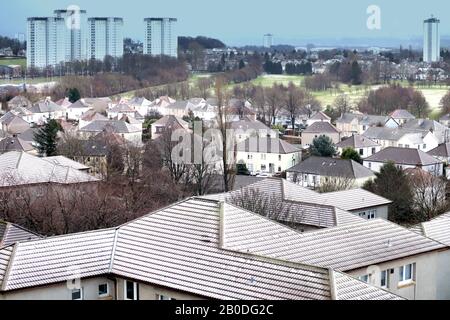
{"x":330,"y":167}
{"x":65,"y":162}
{"x":80,"y":104}
{"x":45,"y":106}
{"x":19,"y":101}
{"x":404,"y":156}
{"x":116,"y":126}
{"x":172,"y":122}
{"x":14,"y":144}
{"x":356,"y":142}
{"x":11,"y":233}
{"x":442,"y":150}
{"x":247,"y":124}
{"x":321,"y":127}
{"x":437,"y":229}
{"x":402,"y":114}
{"x":304,"y":206}
{"x":266,"y":145}
{"x":20,"y":168}
{"x":320,"y":116}
{"x":196,"y":246}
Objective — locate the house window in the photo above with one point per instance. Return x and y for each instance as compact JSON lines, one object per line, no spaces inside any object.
{"x":103,"y":290}
{"x":424,"y":146}
{"x":263,"y":156}
{"x":163,"y":297}
{"x":279,"y":157}
{"x":384,"y":279}
{"x":406,"y":273}
{"x":364,"y":278}
{"x":77,"y":294}
{"x":370,"y":165}
{"x":263,"y":167}
{"x":361,"y":152}
{"x":249,"y":157}
{"x":406,"y":145}
{"x":372,"y":214}
{"x":131,"y":290}
{"x":373,"y":151}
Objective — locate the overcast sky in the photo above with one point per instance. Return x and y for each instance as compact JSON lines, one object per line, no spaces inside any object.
{"x":238,"y":22}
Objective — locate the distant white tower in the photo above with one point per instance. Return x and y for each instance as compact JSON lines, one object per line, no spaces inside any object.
{"x":76,"y":35}
{"x":161,"y":37}
{"x":268,"y":40}
{"x":431,"y":40}
{"x":105,"y":37}
{"x":44,"y":36}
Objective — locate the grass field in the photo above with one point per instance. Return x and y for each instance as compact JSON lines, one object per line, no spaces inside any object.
{"x":29,"y":80}
{"x":432,"y":94}
{"x":13,"y":61}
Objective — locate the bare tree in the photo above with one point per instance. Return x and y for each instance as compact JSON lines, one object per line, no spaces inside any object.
{"x":428,"y":194}
{"x":227,"y":141}
{"x":333,"y":184}
{"x":274,"y":99}
{"x":294,"y":101}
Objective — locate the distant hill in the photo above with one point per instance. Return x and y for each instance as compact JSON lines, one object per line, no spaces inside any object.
{"x":184,"y":43}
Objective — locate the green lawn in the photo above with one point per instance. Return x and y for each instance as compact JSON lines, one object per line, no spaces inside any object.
{"x":13,"y":61}
{"x":29,"y":80}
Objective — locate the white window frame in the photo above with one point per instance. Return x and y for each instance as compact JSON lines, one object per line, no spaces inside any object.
{"x":102,"y":295}
{"x":135,"y":291}
{"x":386,"y":285}
{"x":363,"y":277}
{"x":402,"y":278}
{"x":372,"y":214}
{"x":81,"y":294}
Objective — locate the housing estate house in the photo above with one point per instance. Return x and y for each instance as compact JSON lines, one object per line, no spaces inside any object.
{"x":45,"y":110}
{"x":12,"y":124}
{"x":141,"y":105}
{"x":203,"y":259}
{"x":318,"y":129}
{"x":364,"y":146}
{"x":352,"y":123}
{"x":315,"y":171}
{"x":95,"y":151}
{"x":313,"y":207}
{"x":437,"y":229}
{"x":124,"y":263}
{"x":15,"y":143}
{"x":127,"y":131}
{"x":26,"y":176}
{"x":160,"y":105}
{"x":77,"y":109}
{"x":318,"y":117}
{"x":120,"y":110}
{"x":90,"y":116}
{"x":441,"y":132}
{"x":403,"y":138}
{"x":402,"y":116}
{"x":267,"y":155}
{"x":442,"y":153}
{"x":179,"y":109}
{"x":405,"y":158}
{"x":166,"y":123}
{"x":247,"y":127}
{"x":19,"y":101}
{"x":10,"y":233}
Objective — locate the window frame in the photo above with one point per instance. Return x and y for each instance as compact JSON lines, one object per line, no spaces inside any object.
{"x":386,"y":279}
{"x":102,"y":295}
{"x":402,"y":280}
{"x":81,"y":294}
{"x":135,"y":290}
